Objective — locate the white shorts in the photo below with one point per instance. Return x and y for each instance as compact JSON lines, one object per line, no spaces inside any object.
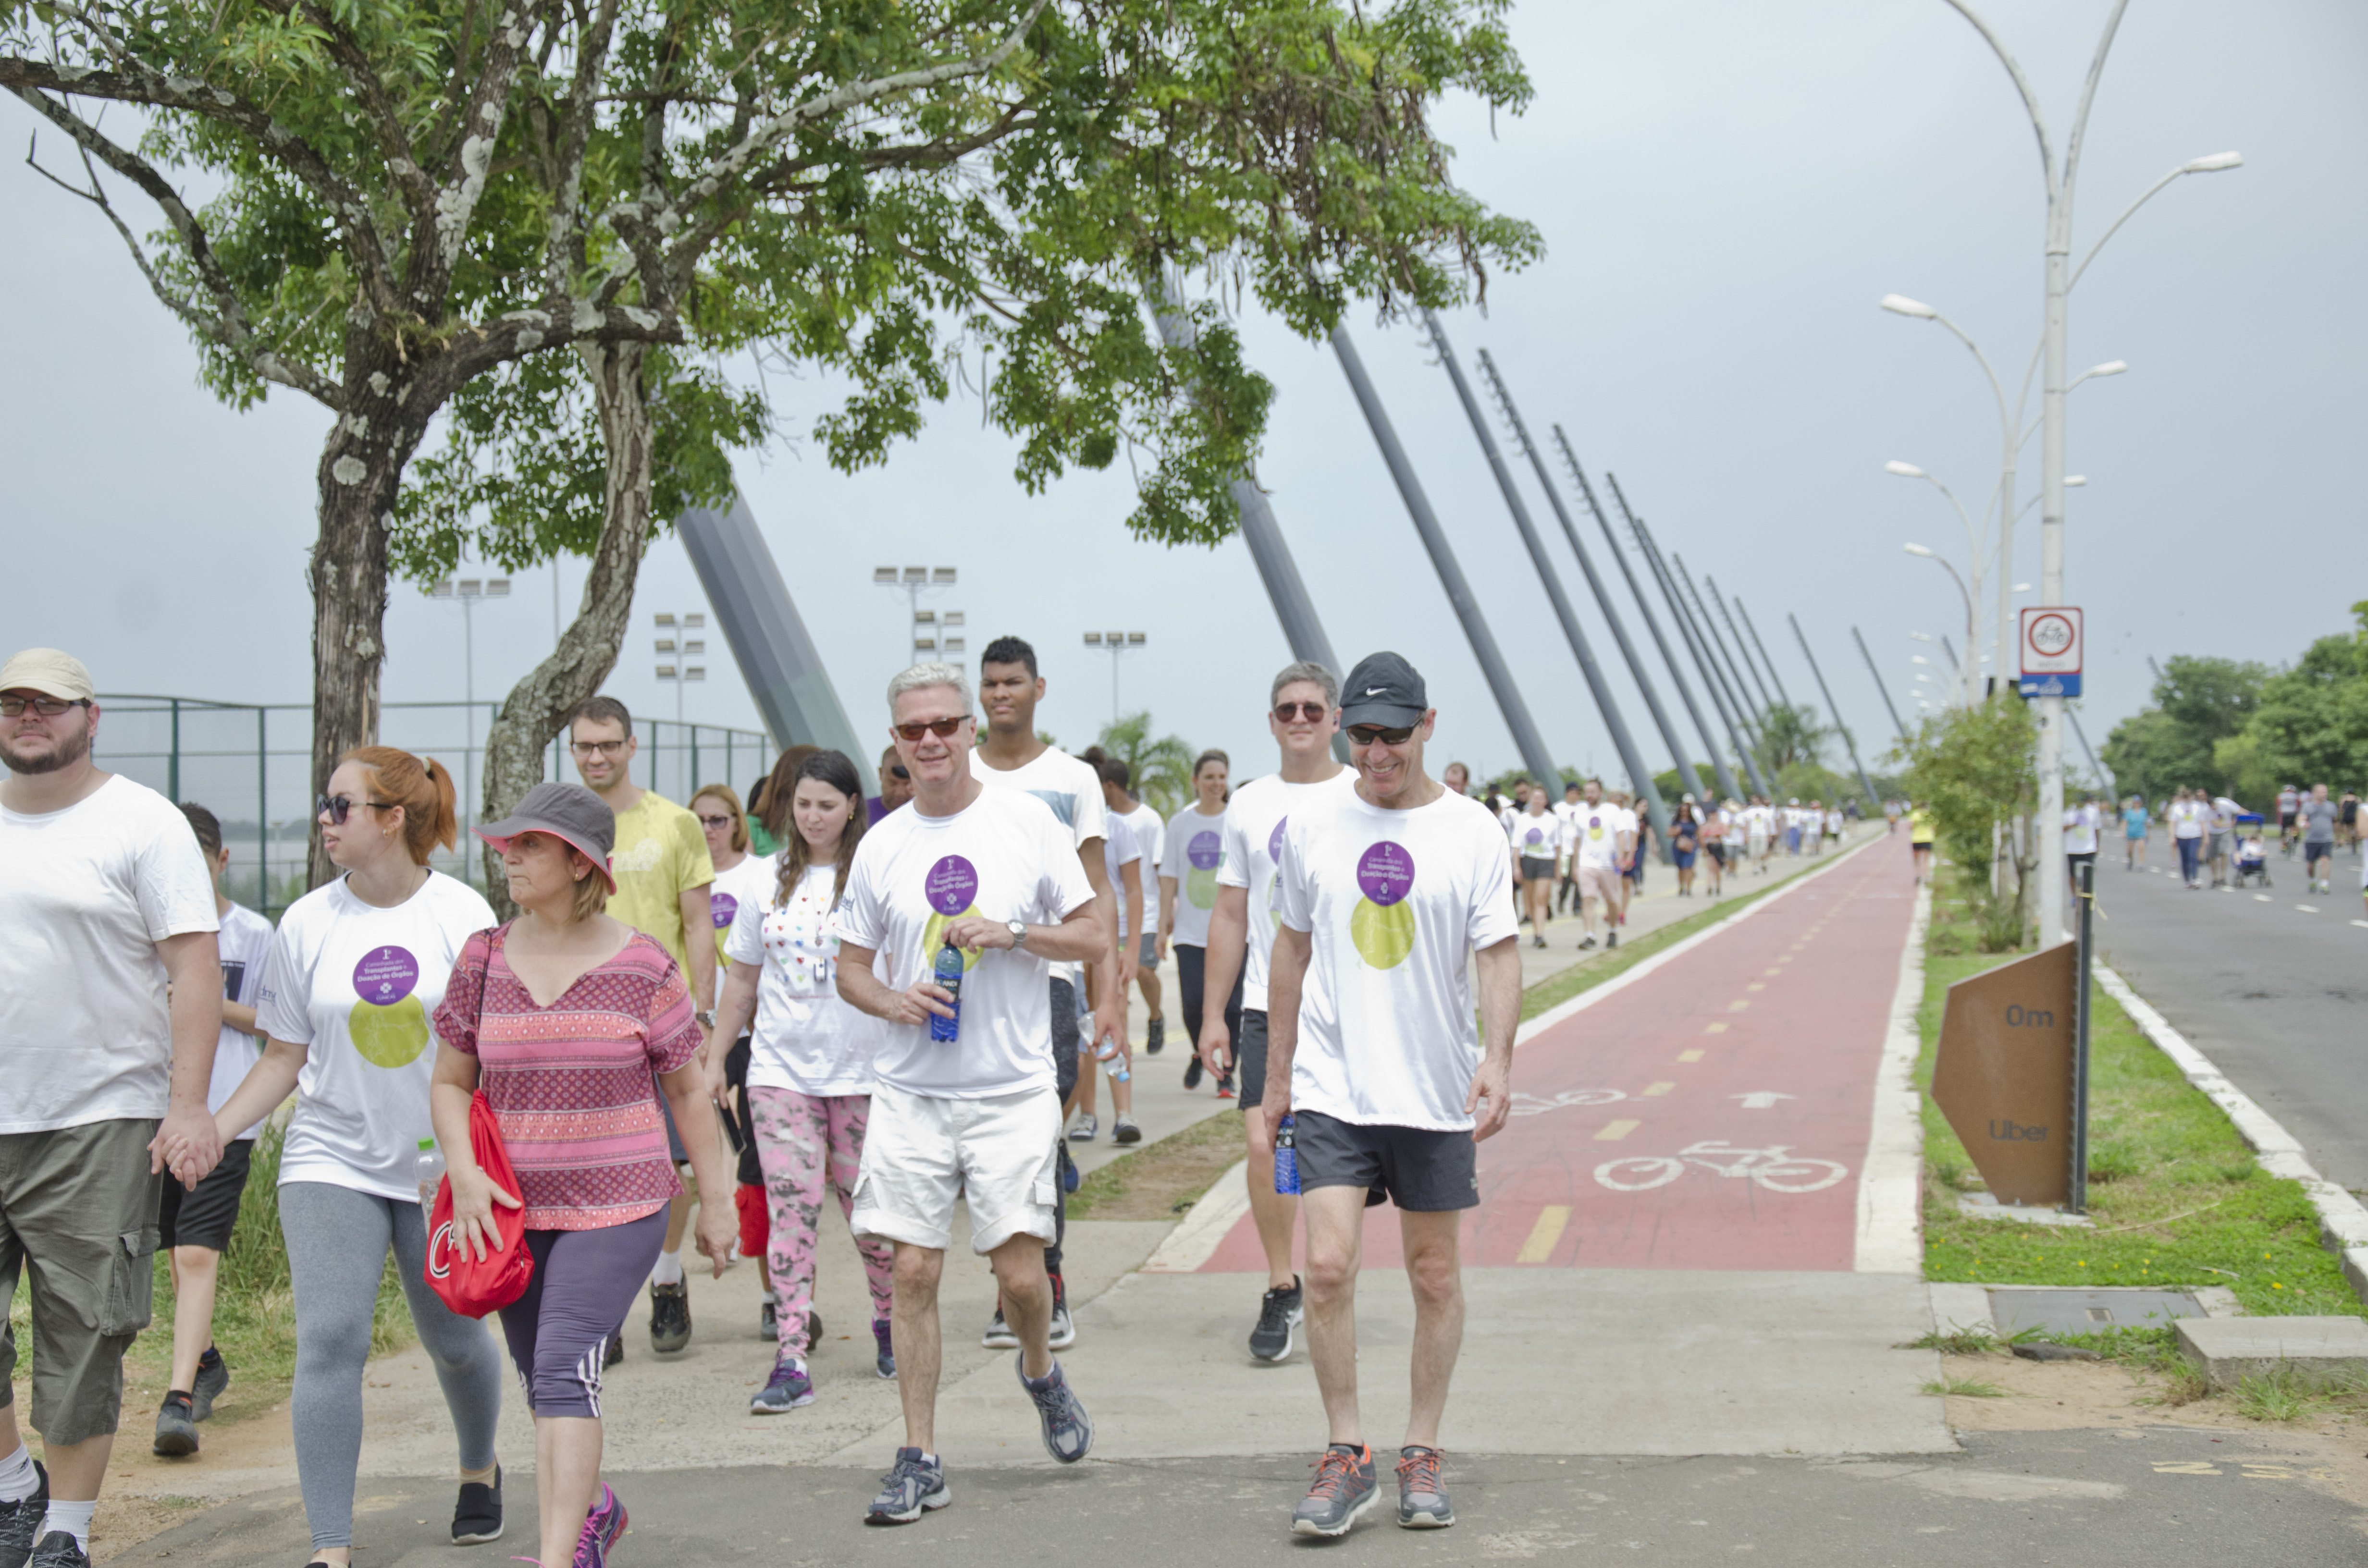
{"x":1756,"y":844}
{"x":920,"y":1154}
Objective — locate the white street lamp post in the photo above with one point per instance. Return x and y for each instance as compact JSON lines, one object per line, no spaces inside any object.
{"x":1116,"y":645}
{"x":1966,"y":669}
{"x":1974,"y":542}
{"x":2061,"y":182}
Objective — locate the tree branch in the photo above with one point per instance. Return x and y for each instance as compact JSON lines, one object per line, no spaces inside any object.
{"x":444,"y":228}
{"x":393,"y":141}
{"x":559,"y":321}
{"x":227,"y":323}
{"x":563,"y":258}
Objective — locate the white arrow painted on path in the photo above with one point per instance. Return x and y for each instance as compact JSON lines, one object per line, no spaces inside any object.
{"x":1761,"y":1100}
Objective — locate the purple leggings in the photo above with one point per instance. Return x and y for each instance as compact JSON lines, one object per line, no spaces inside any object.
{"x":584,"y":1283}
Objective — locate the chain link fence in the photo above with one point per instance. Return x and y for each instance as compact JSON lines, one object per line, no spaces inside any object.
{"x":250,"y":765}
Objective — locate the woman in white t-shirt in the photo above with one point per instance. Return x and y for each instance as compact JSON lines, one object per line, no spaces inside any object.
{"x":810,"y":1075}
{"x":355,"y":970}
{"x":1195,"y":848}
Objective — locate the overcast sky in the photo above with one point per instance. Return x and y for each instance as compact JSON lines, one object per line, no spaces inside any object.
{"x":1725,"y":189}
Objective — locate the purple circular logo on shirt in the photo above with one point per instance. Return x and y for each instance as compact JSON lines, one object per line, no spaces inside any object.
{"x":1274,"y":840}
{"x":1205,"y":850}
{"x":953,"y":882}
{"x":385,"y":976}
{"x":1537,"y":837}
{"x":1386,"y":872}
{"x":721,"y":909}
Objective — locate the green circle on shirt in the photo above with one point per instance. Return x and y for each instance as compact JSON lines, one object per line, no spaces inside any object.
{"x":1201,"y":887}
{"x":1383,"y":933}
{"x":933,"y":934}
{"x":392,"y":1036}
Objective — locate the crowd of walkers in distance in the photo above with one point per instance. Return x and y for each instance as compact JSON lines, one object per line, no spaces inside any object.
{"x":2220,"y":843}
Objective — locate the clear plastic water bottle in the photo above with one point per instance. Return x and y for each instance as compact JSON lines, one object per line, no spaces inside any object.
{"x":430,"y":1172}
{"x":948,"y":972}
{"x":1286,"y":1157}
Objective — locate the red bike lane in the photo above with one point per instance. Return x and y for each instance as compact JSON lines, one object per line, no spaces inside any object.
{"x":1712,"y":1114}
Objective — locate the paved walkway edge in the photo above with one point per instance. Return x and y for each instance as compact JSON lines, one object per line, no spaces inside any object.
{"x":2342,"y":1219}
{"x":1205,"y":1225}
{"x":1891,"y":1179}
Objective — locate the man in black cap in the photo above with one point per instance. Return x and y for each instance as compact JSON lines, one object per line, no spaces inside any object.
{"x":1382,"y":891}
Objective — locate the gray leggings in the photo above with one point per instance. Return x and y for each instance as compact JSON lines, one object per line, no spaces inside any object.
{"x":337,"y":1240}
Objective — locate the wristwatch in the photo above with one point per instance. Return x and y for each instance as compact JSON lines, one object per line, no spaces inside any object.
{"x":706,"y":1017}
{"x":1018,"y":929}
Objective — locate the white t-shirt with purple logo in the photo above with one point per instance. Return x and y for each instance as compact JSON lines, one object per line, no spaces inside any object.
{"x":1394,"y":903}
{"x":1003,"y":857}
{"x":1254,"y":824}
{"x":356,"y":985}
{"x":1595,"y":835}
{"x":1195,"y":846}
{"x":805,"y":1036}
{"x":1535,"y":833}
{"x":752,"y":880}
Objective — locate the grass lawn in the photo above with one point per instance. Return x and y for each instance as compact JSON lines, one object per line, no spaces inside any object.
{"x":2176,"y":1195}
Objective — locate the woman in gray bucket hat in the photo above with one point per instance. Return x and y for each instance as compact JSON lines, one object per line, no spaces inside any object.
{"x":572,"y":1022}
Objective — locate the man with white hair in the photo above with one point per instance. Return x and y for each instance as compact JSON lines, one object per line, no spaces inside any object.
{"x":985,"y":882}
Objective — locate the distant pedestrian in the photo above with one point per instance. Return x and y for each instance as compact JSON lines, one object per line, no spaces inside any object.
{"x":1922,"y":825}
{"x":2135,"y":822}
{"x":2316,"y":822}
{"x":2186,"y":817}
{"x":1685,"y":843}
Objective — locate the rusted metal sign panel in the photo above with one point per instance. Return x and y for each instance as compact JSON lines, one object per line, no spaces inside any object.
{"x":2004,"y":1074}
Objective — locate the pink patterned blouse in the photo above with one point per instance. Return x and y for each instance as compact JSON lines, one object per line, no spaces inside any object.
{"x":573,"y":1084}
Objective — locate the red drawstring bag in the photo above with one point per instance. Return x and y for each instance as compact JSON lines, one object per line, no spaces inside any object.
{"x":473,"y":1287}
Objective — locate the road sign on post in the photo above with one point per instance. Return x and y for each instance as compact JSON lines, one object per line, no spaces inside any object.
{"x":2004,"y":1075}
{"x":2051,"y":652}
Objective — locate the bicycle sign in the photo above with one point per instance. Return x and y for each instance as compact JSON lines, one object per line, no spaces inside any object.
{"x":1534,"y":1105}
{"x":2051,"y":652}
{"x":1776,"y":1167}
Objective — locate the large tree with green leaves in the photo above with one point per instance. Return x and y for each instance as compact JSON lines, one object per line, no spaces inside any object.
{"x":414,"y":197}
{"x":2169,"y":745}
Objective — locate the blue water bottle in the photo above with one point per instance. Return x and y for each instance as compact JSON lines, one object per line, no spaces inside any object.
{"x":948,"y":972}
{"x":1286,"y":1158}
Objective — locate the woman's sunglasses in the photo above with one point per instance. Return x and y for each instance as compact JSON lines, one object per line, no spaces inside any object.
{"x":1366,"y":734}
{"x":337,"y":808}
{"x":942,"y":728}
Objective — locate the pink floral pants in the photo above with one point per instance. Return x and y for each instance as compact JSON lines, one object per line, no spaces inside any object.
{"x":804,"y":1141}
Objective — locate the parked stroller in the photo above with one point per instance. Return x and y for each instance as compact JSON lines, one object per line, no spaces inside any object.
{"x":2253,"y":855}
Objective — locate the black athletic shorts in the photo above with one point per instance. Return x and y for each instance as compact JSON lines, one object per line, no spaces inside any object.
{"x":1716,"y":849}
{"x":1537,"y":868}
{"x":1249,"y":1059}
{"x":1420,"y":1170}
{"x":1064,"y":1039}
{"x":206,"y":1217}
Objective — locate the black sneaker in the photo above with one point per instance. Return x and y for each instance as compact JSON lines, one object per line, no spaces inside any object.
{"x":176,"y":1426}
{"x":1611,"y":939}
{"x":768,"y":1318}
{"x":58,"y":1550}
{"x":616,"y":1351}
{"x":1281,"y":1312}
{"x":1192,"y":1071}
{"x":1063,"y":1331}
{"x":912,"y":1486}
{"x":477,"y":1515}
{"x":19,"y":1521}
{"x":669,"y":1316}
{"x":213,"y":1376}
{"x":1344,"y":1488}
{"x":1155,"y":1037}
{"x":998,"y":1335}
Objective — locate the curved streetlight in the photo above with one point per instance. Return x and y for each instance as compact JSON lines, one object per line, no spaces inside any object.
{"x":1974,"y":543}
{"x":1934,"y":555}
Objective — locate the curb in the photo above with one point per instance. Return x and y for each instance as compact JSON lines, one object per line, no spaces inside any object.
{"x":2342,"y":1219}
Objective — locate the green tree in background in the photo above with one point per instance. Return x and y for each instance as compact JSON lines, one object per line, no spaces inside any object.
{"x":1161,"y":768}
{"x":1978,"y":767}
{"x":2169,"y":745}
{"x":1789,"y":735}
{"x":2310,"y":725}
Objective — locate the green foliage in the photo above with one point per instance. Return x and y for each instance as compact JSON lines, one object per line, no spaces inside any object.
{"x":1977,"y":769}
{"x":2310,"y":726}
{"x":1161,"y":768}
{"x":2170,"y":746}
{"x":1789,"y":735}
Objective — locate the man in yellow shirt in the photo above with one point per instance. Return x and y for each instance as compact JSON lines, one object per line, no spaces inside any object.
{"x":663,"y":875}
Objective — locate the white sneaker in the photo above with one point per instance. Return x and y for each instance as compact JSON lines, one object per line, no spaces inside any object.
{"x":1084,"y":1129}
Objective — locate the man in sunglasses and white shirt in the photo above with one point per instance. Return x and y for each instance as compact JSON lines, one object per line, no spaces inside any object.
{"x":991,"y":875}
{"x":1241,"y":939}
{"x":1388,"y":894}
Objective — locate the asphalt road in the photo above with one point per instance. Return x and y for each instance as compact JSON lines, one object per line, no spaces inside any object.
{"x":2276,"y":994}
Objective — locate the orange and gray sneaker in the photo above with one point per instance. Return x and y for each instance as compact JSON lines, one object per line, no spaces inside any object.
{"x":1422,"y":1498}
{"x":1344,"y":1488}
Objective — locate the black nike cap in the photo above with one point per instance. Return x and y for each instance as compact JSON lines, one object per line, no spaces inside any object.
{"x":1382,"y":690}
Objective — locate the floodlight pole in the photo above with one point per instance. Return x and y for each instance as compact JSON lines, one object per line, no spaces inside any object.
{"x":1655,"y":810}
{"x":1526,"y":738}
{"x":1849,"y":741}
{"x":1878,"y":684}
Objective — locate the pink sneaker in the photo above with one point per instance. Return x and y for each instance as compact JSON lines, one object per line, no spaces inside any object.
{"x":602,"y":1526}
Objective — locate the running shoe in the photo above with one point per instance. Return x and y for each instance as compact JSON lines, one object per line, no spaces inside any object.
{"x":1083,"y":1132}
{"x":886,"y":1362}
{"x":602,"y":1526}
{"x":1281,"y":1310}
{"x":669,"y":1316}
{"x":998,"y":1335}
{"x":1069,"y":1175}
{"x":1611,"y":939}
{"x":1586,"y":943}
{"x":1422,"y":1497}
{"x":1155,"y":1037}
{"x":177,"y":1429}
{"x":213,"y":1376}
{"x":1344,"y":1488}
{"x":1064,"y":1329}
{"x":1192,"y":1071}
{"x":1539,"y":941}
{"x":58,"y":1550}
{"x":768,"y":1318}
{"x":1124,"y":1130}
{"x":912,"y":1486}
{"x":477,"y":1513}
{"x":786,"y":1389}
{"x":21,"y":1522}
{"x":616,"y":1351}
{"x":1068,"y":1430}
{"x":1225,"y":1087}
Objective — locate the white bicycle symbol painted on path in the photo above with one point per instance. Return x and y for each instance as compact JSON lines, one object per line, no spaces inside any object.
{"x":1535,"y":1105}
{"x":1776,"y":1167}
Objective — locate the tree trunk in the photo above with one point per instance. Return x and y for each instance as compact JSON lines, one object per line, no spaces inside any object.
{"x":538,"y":706}
{"x":362,"y":468}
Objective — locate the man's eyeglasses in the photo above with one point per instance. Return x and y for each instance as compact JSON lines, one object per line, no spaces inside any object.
{"x":714,"y":822}
{"x":1311,"y":711}
{"x":605,"y":748}
{"x":47,"y":707}
{"x":1366,"y":734}
{"x":942,"y":728}
{"x":337,"y":808}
